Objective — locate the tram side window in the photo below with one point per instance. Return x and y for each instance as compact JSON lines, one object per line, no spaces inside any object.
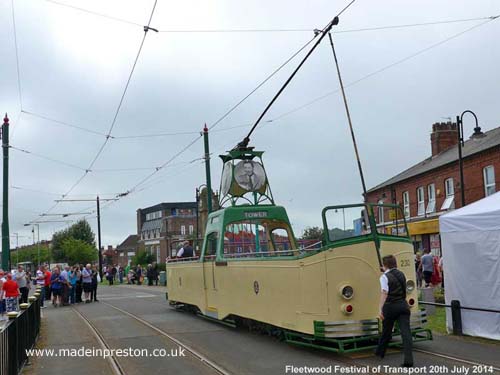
{"x":347,"y":222}
{"x":246,"y":238}
{"x":212,"y":240}
{"x":280,"y":239}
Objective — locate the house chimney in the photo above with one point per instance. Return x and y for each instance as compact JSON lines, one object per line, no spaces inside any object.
{"x":444,"y":136}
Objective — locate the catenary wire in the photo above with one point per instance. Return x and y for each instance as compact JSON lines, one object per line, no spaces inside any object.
{"x":95,"y":13}
{"x":62,"y":123}
{"x":138,"y":136}
{"x":383,"y":69}
{"x":131,"y":169}
{"x":46,"y":158}
{"x":321,"y":34}
{"x":263,"y":30}
{"x":17,"y":55}
{"x":108,"y":135}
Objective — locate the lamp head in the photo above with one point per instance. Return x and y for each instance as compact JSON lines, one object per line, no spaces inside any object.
{"x":477,"y":133}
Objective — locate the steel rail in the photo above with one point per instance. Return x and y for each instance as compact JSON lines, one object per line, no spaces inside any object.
{"x":196,"y":354}
{"x":115,"y":365}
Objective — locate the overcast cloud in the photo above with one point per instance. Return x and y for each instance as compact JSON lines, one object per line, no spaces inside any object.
{"x":74,"y":66}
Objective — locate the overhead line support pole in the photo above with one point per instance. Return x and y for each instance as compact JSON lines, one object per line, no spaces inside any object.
{"x":5,"y":208}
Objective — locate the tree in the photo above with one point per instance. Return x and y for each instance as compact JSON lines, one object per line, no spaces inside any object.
{"x":312,"y":233}
{"x":78,"y":251}
{"x":82,"y":231}
{"x":142,"y":257}
{"x":79,"y":231}
{"x":30,"y":254}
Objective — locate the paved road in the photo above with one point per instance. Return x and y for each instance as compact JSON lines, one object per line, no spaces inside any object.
{"x":226,"y":350}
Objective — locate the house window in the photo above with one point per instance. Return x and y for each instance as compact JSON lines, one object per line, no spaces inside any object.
{"x":421,"y":201}
{"x":191,"y":229}
{"x":183,"y":230}
{"x":406,"y":204}
{"x":380,"y":212}
{"x":431,"y":195}
{"x":489,"y":180}
{"x":449,"y":189}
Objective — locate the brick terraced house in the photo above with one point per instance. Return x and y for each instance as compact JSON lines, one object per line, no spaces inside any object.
{"x":432,"y":187}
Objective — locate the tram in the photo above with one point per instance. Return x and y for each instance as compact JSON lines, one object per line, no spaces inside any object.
{"x":252,"y":272}
{"x":324,"y":297}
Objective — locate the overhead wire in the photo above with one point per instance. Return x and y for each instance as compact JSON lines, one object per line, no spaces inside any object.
{"x":383,"y":69}
{"x":275,"y":119}
{"x":321,"y":34}
{"x":17,"y":56}
{"x":62,"y":123}
{"x":261,"y":30}
{"x":108,"y":134}
{"x":95,"y":13}
{"x":219,"y":120}
{"x":161,"y":134}
{"x":47,"y":158}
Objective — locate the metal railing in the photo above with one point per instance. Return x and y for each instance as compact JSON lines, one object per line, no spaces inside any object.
{"x":456,"y":313}
{"x":17,"y":336}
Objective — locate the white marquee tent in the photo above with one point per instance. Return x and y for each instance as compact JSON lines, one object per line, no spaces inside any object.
{"x":470,"y":241}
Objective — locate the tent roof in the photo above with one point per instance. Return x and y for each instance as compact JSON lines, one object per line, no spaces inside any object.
{"x":482,"y":215}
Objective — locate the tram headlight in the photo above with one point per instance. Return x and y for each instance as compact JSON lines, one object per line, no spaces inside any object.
{"x":347,"y":292}
{"x":410,"y":285}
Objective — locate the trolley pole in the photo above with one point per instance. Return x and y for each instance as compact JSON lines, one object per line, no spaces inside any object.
{"x":207,"y":169}
{"x":5,"y":218}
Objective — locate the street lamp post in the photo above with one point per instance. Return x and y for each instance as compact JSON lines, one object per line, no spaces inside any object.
{"x":38,"y":236}
{"x":460,"y":132}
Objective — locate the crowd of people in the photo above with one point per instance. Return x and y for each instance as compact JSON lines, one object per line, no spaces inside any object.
{"x":61,"y":285}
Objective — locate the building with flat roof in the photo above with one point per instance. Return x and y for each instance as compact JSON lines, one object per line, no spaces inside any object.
{"x":161,"y":228}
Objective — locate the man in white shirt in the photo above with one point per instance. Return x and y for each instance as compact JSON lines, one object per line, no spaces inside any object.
{"x":393,"y":306}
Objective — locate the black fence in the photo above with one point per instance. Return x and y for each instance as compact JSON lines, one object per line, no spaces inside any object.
{"x":456,"y":313}
{"x":17,"y":336}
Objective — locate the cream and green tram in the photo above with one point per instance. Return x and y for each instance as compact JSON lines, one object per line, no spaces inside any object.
{"x":251,"y":269}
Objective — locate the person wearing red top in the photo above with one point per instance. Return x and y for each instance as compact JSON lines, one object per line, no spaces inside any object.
{"x":48,"y":291}
{"x":11,"y":293}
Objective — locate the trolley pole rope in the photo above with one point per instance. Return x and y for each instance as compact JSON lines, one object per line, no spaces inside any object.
{"x":377,"y":244}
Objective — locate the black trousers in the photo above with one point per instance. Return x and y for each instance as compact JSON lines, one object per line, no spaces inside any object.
{"x":78,"y":292}
{"x":24,"y":294}
{"x":396,"y":311}
{"x":93,"y":293}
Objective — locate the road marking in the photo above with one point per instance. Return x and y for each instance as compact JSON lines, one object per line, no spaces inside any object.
{"x":198,"y":355}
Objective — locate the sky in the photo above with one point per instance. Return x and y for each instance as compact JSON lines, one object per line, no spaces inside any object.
{"x":74,"y":66}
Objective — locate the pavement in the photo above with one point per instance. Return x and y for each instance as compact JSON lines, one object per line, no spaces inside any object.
{"x":236,"y":351}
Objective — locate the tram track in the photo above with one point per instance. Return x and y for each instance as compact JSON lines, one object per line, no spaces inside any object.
{"x":340,"y":360}
{"x":115,"y":364}
{"x":343,"y":360}
{"x":118,"y":369}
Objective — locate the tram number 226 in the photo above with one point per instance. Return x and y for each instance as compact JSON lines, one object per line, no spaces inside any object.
{"x":404,"y":263}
